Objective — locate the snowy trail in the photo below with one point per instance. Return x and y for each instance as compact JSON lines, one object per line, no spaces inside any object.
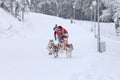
{"x":27,"y":58}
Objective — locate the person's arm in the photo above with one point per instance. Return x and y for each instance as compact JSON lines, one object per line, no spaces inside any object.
{"x":55,"y":35}
{"x":65,"y":31}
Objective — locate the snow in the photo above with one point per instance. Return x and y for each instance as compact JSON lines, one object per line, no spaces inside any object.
{"x":23,"y":53}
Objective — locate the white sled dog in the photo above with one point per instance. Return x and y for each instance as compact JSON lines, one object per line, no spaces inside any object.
{"x":68,"y":48}
{"x":52,"y":48}
{"x":61,"y":47}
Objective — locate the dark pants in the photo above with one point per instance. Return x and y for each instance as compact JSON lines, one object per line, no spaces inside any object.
{"x":60,"y":38}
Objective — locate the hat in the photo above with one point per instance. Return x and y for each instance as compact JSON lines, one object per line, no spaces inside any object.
{"x":59,"y":27}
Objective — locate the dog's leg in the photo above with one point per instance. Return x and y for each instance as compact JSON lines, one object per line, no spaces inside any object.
{"x":70,"y":55}
{"x":67,"y":54}
{"x":56,"y":55}
{"x":49,"y":51}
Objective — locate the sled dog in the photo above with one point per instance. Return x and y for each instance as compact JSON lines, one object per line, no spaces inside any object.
{"x":61,"y":46}
{"x":49,"y":47}
{"x":69,"y":49}
{"x":53,"y":48}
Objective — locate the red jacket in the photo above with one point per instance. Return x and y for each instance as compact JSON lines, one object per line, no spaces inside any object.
{"x":59,"y":32}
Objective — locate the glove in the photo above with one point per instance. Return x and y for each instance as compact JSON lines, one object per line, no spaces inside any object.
{"x":66,"y":35}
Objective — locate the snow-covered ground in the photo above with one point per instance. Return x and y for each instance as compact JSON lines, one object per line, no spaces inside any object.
{"x":23,"y":53}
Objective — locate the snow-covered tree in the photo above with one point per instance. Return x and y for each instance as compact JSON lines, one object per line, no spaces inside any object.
{"x":109,"y":9}
{"x":112,"y":10}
